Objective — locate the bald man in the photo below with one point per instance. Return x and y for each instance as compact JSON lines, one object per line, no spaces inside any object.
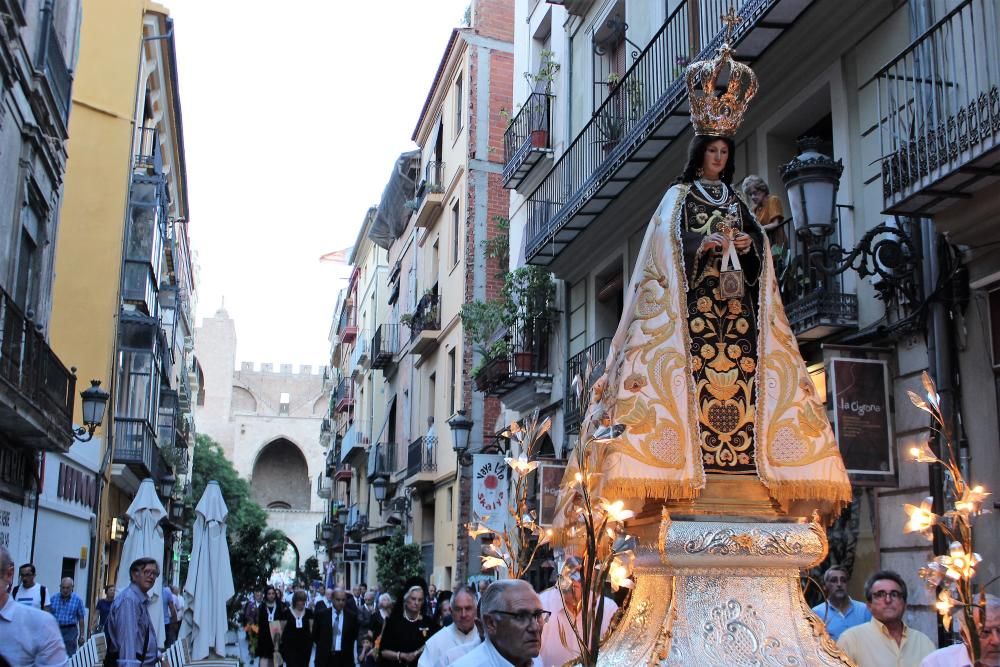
{"x":67,"y":607}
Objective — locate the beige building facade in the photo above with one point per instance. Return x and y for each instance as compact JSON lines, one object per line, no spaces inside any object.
{"x":268,"y":421}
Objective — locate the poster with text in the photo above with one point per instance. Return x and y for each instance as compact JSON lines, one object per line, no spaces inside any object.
{"x":549,"y":477}
{"x":861,"y":417}
{"x":490,"y":475}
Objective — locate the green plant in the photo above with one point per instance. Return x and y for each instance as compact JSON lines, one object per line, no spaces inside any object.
{"x":498,"y":247}
{"x":406,"y":318}
{"x":610,"y":126}
{"x":482,"y":320}
{"x":395,"y":562}
{"x":546,"y":74}
{"x":411,"y":204}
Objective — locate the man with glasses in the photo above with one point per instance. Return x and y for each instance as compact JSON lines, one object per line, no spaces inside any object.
{"x":956,"y":655}
{"x":885,"y":640}
{"x":513,"y":617}
{"x":840,"y":611}
{"x":130,"y":632}
{"x":559,"y":644}
{"x":30,"y":592}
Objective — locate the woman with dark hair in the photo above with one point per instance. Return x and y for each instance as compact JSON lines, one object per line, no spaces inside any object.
{"x":297,"y":638}
{"x":269,"y":616}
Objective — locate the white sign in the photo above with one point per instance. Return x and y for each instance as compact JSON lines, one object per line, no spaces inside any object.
{"x":489,"y":490}
{"x":12,"y":530}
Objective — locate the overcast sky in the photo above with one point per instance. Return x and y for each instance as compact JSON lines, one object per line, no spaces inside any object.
{"x":293,"y":116}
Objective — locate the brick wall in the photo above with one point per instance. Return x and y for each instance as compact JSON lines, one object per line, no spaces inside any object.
{"x":494,"y":18}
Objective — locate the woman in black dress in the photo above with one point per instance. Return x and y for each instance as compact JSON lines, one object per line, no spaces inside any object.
{"x":296,"y":639}
{"x":269,"y":612}
{"x":406,"y":631}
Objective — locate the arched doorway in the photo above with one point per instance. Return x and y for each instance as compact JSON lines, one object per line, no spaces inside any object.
{"x":281,"y":477}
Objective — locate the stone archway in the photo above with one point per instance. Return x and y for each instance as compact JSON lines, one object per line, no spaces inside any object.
{"x":280,"y":479}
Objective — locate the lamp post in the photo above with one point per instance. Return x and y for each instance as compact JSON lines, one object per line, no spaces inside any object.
{"x":95,"y":402}
{"x":167,"y":486}
{"x":461,"y":430}
{"x":886,"y":252}
{"x":380,"y":484}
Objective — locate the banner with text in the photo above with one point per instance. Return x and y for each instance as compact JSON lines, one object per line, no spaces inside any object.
{"x":490,"y":475}
{"x":861,"y":418}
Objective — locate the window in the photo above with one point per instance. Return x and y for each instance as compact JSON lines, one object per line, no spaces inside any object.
{"x":459,"y":106}
{"x":432,"y":392}
{"x":456,"y":233}
{"x":283,"y":402}
{"x":28,"y":254}
{"x":453,"y":377}
{"x":451,"y":509}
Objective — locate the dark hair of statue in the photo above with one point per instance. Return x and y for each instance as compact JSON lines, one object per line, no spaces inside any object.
{"x":696,"y":158}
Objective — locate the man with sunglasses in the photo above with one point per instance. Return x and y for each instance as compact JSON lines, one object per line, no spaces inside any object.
{"x":840,"y":611}
{"x":886,"y":640}
{"x":512,"y":616}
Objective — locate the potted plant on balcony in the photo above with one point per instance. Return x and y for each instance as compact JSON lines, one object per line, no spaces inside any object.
{"x":541,"y":82}
{"x":530,"y":292}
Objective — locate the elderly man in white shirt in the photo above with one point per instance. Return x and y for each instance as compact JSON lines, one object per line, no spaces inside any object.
{"x":513,"y":618}
{"x":457,"y":639}
{"x":956,"y":655}
{"x":558,"y":639}
{"x":28,"y":636}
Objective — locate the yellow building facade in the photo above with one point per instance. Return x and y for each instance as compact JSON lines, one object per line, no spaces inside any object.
{"x":124,"y":277}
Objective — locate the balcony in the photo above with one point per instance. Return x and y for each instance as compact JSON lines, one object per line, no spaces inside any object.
{"x":135,"y":447}
{"x":347,"y":328}
{"x":641,"y":118}
{"x":817,"y":305}
{"x":385,"y":345}
{"x":381,"y":459}
{"x":430,"y":195}
{"x":425,"y":324}
{"x":36,"y":390}
{"x":939,"y":113}
{"x":524,"y":362}
{"x":421,"y":462}
{"x":358,"y":363}
{"x":324,"y":487}
{"x":355,"y":442}
{"x":344,"y":395}
{"x":596,"y":355}
{"x":343,"y":473}
{"x":527,"y":139}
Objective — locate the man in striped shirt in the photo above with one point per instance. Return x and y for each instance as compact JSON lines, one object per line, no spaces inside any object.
{"x":67,"y":607}
{"x":130,"y":632}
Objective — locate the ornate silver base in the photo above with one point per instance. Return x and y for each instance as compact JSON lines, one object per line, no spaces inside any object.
{"x":723,"y":593}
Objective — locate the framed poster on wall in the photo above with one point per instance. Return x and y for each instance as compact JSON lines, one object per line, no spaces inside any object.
{"x":862,"y":421}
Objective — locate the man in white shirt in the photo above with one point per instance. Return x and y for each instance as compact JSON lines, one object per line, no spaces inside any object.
{"x":28,"y":636}
{"x":558,"y":639}
{"x":513,"y":618}
{"x":956,"y":655}
{"x":461,"y":634}
{"x":30,"y":592}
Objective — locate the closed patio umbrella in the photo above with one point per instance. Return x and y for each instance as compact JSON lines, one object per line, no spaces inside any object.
{"x":209,"y":582}
{"x":145,"y":540}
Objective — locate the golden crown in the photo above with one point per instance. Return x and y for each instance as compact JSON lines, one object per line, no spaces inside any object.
{"x":713,"y":114}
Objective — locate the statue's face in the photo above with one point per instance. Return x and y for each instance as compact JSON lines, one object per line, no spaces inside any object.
{"x":715,"y":159}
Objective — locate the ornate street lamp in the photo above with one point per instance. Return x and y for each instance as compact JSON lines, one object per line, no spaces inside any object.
{"x":381,"y":487}
{"x":167,"y":486}
{"x":886,"y":252}
{"x":95,"y":402}
{"x":461,"y":430}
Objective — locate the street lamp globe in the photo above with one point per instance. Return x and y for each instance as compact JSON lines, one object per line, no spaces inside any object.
{"x":167,"y":486}
{"x":381,"y":486}
{"x":811,"y":180}
{"x":461,"y":429}
{"x":95,"y":402}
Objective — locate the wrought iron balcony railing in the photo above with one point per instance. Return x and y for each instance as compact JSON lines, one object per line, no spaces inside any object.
{"x":359,"y":354}
{"x":385,"y":345}
{"x":344,"y":395}
{"x":421,"y":456}
{"x":355,"y":440}
{"x":347,"y":327}
{"x":427,"y":316}
{"x":135,"y":446}
{"x":640,"y":117}
{"x":817,"y":305}
{"x":527,"y":138}
{"x":524,"y":356}
{"x":595,"y":354}
{"x":381,"y":459}
{"x":32,"y":371}
{"x":939,"y":105}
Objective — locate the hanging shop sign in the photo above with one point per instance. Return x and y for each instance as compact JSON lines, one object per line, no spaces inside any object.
{"x":861,"y":418}
{"x":489,"y":490}
{"x":354,"y":552}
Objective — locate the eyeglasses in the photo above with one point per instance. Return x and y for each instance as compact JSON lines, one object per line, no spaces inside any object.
{"x":526,"y":617}
{"x":892,"y":595}
{"x":986,"y":633}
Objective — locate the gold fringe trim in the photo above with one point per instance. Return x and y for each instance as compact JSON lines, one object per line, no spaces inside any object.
{"x":658,"y":489}
{"x":837,"y":494}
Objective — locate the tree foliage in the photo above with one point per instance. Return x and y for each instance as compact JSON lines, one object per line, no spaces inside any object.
{"x":254,"y":549}
{"x":395,"y":563}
